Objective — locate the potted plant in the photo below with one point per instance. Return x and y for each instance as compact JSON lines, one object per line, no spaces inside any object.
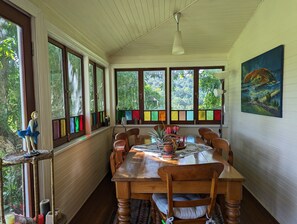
{"x":161,"y":138}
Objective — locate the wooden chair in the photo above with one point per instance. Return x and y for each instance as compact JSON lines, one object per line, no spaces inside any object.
{"x":203,"y":130}
{"x":223,"y":147}
{"x":185,"y":204}
{"x":123,"y":136}
{"x":116,"y":159}
{"x":209,"y":136}
{"x":117,"y":156}
{"x":132,"y":135}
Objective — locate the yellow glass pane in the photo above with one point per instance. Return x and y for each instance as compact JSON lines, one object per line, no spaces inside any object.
{"x":174,"y":115}
{"x":147,"y":115}
{"x":63,"y":128}
{"x":201,"y":115}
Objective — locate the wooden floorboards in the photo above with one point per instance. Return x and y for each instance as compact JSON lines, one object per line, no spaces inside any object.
{"x":101,"y":206}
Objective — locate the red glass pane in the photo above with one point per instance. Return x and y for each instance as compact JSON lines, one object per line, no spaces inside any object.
{"x":81,"y":123}
{"x":217,"y":115}
{"x":135,"y":114}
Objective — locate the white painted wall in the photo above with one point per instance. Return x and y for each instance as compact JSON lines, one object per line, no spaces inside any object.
{"x":265,"y":147}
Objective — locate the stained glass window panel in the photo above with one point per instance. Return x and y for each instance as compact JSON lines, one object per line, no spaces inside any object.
{"x":147,"y":116}
{"x":182,"y":115}
{"x":63,"y":127}
{"x":201,"y":115}
{"x":190,"y":115}
{"x":209,"y":115}
{"x":135,"y":114}
{"x":217,"y":115}
{"x":155,"y":115}
{"x":162,"y":115}
{"x":128,"y":115}
{"x":174,"y":115}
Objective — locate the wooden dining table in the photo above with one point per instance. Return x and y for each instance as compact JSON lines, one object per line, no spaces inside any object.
{"x":139,"y":174}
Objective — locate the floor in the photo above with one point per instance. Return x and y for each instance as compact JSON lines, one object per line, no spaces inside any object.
{"x":101,"y":206}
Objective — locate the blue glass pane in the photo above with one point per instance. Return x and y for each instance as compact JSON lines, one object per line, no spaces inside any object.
{"x":72,"y":125}
{"x":190,"y":115}
{"x":128,"y":115}
{"x":94,"y":119}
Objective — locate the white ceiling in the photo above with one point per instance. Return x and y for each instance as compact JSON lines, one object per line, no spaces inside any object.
{"x":146,"y":27}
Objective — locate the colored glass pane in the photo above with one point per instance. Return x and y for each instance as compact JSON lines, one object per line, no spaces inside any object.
{"x":174,"y":115}
{"x":147,"y":115}
{"x":56,"y":129}
{"x":76,"y":124}
{"x":162,"y":115}
{"x":182,"y":115}
{"x":94,"y":118}
{"x":135,"y":114}
{"x":72,"y":125}
{"x":155,"y":116}
{"x":81,"y":123}
{"x":121,"y":113}
{"x":128,"y":115}
{"x":190,"y":115}
{"x":209,"y":115}
{"x":63,"y":127}
{"x":217,"y":115}
{"x":201,"y":115}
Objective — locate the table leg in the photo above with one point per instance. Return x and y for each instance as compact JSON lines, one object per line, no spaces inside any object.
{"x":232,"y":211}
{"x":123,"y":196}
{"x":123,"y":211}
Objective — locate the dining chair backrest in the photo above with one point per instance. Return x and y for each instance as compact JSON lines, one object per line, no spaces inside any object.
{"x":132,"y":135}
{"x":203,"y":130}
{"x":209,"y":136}
{"x":203,"y":172}
{"x":117,"y":156}
{"x":123,"y":136}
{"x":223,"y":147}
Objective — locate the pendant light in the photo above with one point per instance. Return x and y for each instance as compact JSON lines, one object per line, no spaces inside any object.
{"x":177,"y":48}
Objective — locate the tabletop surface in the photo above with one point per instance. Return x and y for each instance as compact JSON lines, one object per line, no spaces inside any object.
{"x":141,"y":166}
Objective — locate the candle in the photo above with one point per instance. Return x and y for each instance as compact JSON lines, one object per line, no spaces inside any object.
{"x":9,"y":218}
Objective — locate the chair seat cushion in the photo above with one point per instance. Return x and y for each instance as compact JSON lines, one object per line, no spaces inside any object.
{"x":181,"y":213}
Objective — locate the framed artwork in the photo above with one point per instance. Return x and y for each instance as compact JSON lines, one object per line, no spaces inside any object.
{"x":262,"y":83}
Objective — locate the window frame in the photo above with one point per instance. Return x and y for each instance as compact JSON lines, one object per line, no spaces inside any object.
{"x":141,"y":93}
{"x":195,"y":95}
{"x":69,"y":136}
{"x":98,"y":124}
{"x":23,"y":20}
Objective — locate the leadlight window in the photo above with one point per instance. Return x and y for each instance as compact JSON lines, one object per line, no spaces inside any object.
{"x":67,"y":95}
{"x":141,"y":95}
{"x":192,"y":99}
{"x":97,"y":95}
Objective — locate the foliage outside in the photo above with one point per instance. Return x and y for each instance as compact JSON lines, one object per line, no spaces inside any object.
{"x":10,"y":113}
